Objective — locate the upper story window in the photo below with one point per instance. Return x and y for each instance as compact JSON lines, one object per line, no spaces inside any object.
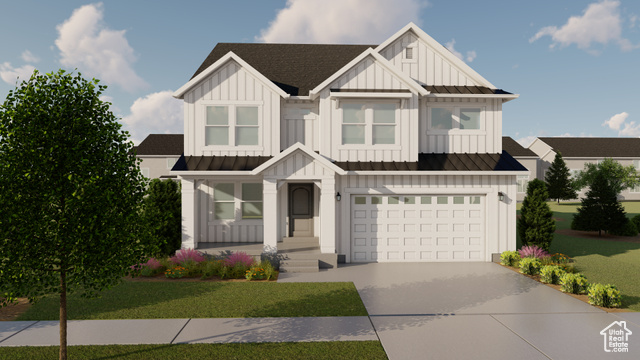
{"x":232,"y":125}
{"x":456,"y":117}
{"x":369,"y":123}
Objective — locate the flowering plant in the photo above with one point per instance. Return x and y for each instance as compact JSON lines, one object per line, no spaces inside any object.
{"x":532,"y":251}
{"x":255,"y":273}
{"x":175,"y":272}
{"x":184,"y":255}
{"x":239,"y":257}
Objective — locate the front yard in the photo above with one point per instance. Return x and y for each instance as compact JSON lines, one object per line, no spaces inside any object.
{"x":607,"y":260}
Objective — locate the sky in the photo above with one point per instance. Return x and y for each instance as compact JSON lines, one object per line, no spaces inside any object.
{"x":575,"y":64}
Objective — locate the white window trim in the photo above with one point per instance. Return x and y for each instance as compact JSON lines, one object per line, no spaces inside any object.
{"x":414,"y":47}
{"x":237,"y":204}
{"x":455,"y":109}
{"x":368,"y":126}
{"x":232,"y":105}
{"x":522,"y":177}
{"x":171,"y":161}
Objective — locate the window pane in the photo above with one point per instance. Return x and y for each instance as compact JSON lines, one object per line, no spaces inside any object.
{"x":352,"y":113}
{"x":252,"y":192}
{"x":458,"y":200}
{"x":384,"y":114}
{"x":376,"y":200}
{"x":394,"y":200}
{"x":359,"y":200}
{"x":246,"y":136}
{"x":171,"y":162}
{"x":474,"y":200}
{"x":441,"y":118}
{"x":217,"y":135}
{"x":443,"y":200}
{"x":252,"y":210}
{"x":223,"y":192}
{"x":384,"y":134}
{"x":470,"y":118}
{"x":247,"y":115}
{"x":217,"y":115}
{"x":425,"y":200}
{"x":224,"y":210}
{"x":352,"y":134}
{"x":409,"y":200}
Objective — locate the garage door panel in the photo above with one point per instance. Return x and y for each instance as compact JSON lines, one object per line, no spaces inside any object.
{"x":417,"y":228}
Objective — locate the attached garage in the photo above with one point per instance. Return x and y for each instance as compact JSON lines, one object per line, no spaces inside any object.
{"x":412,"y":228}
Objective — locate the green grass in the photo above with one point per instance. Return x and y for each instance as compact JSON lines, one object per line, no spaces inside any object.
{"x":161,"y":300}
{"x":306,"y":350}
{"x":601,"y":261}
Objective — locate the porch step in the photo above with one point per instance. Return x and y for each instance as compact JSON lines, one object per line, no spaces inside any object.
{"x":299,"y":265}
{"x":301,"y":240}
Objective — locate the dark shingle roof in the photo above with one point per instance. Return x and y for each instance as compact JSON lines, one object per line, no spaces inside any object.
{"x":440,"y":162}
{"x":514,"y":148}
{"x":471,"y":90}
{"x":162,"y":144}
{"x":219,"y":163}
{"x":594,"y":147}
{"x":295,"y":68}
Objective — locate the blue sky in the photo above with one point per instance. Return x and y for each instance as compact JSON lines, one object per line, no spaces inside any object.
{"x":574,"y":63}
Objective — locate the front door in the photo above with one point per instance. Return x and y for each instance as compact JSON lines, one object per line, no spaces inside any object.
{"x":300,"y":210}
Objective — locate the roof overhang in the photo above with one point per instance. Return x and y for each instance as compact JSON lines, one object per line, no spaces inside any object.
{"x":504,"y":97}
{"x":446,"y":173}
{"x":230,"y":56}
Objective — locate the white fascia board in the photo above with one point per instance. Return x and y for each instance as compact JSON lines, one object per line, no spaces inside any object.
{"x":406,"y":80}
{"x":440,"y":173}
{"x":200,"y":174}
{"x":158,"y":156}
{"x":298,"y":147}
{"x":442,"y":51}
{"x":179,"y":94}
{"x":387,"y":95}
{"x":506,"y":97}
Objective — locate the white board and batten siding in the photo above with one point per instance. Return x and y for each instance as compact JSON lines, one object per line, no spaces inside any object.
{"x":231,"y":85}
{"x":299,"y":124}
{"x":486,"y":140}
{"x":368,"y":75}
{"x":427,"y":65}
{"x":498,"y":225}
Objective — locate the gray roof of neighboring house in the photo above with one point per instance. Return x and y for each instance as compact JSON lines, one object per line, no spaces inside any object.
{"x":161,"y":144}
{"x":426,"y":162}
{"x":514,"y":148}
{"x":298,"y":68}
{"x":594,"y":147}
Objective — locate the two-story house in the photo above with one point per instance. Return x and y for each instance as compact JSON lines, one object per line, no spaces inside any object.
{"x":389,"y":152}
{"x":158,"y":153}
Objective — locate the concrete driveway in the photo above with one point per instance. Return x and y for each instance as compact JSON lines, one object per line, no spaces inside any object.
{"x":476,"y":311}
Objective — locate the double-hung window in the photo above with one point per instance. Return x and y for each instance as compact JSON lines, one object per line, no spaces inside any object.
{"x":456,"y":117}
{"x":252,"y":201}
{"x":232,"y":125}
{"x":231,"y":202}
{"x":369,"y":123}
{"x":522,"y":181}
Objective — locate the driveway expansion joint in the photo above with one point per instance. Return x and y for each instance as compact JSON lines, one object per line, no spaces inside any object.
{"x":523,"y":339}
{"x":18,"y":332}
{"x":182,"y":328}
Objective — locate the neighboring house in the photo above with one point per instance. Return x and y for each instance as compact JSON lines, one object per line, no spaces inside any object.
{"x":380,"y":153}
{"x":159,"y":152}
{"x":577,"y":151}
{"x":527,"y":158}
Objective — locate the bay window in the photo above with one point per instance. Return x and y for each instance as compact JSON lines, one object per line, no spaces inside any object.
{"x":232,"y":125}
{"x":369,"y":123}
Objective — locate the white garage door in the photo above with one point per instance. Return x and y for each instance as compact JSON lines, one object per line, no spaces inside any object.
{"x":387,"y":228}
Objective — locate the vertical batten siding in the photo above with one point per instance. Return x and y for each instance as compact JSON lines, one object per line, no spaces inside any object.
{"x":296,"y":127}
{"x":231,"y":82}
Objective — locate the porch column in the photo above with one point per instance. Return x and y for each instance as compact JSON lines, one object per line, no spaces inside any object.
{"x":188,"y":214}
{"x":328,"y":215}
{"x":270,"y":215}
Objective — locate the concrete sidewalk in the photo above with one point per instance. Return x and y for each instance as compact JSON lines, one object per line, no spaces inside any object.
{"x":188,"y":331}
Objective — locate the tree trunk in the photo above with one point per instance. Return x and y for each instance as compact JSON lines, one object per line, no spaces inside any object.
{"x":63,"y":315}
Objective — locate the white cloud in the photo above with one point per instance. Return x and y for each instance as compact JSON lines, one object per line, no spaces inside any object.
{"x":85,"y":42}
{"x":619,"y":123}
{"x":526,"y":141}
{"x":599,"y":23}
{"x":471,"y":55}
{"x":340,"y":21}
{"x":29,"y":57}
{"x":156,"y":113}
{"x":616,"y":121}
{"x":12,"y":75}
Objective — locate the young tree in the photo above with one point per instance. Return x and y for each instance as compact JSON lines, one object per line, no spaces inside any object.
{"x":70,"y":192}
{"x":558,"y":179}
{"x":618,"y":177}
{"x":536,"y":225}
{"x":163,"y":214}
{"x":600,"y":209}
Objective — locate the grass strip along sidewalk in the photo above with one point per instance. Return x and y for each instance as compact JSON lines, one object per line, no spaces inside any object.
{"x":166,"y":300}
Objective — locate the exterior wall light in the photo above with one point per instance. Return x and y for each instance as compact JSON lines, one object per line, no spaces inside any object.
{"x":501,"y":196}
{"x":338,"y":196}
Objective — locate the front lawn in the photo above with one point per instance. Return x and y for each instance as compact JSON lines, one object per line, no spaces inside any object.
{"x":158,"y":300}
{"x":302,"y":350}
{"x":601,"y":261}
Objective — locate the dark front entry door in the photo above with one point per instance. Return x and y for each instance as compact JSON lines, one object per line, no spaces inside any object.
{"x":300,"y":209}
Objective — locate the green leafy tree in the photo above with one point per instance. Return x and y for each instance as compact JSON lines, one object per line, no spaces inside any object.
{"x":618,"y":177}
{"x":600,"y":209}
{"x":536,"y":225}
{"x":71,"y":193}
{"x":558,"y":180}
{"x":163,"y":214}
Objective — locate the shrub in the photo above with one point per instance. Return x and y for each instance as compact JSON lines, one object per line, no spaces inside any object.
{"x":604,"y":295}
{"x":628,"y":229}
{"x":255,"y":273}
{"x":530,"y":265}
{"x":551,"y":274}
{"x":175,"y":272}
{"x":269,"y":271}
{"x":211,"y":268}
{"x":532,"y":251}
{"x":163,"y":214}
{"x":239,"y":257}
{"x":573,"y":283}
{"x":636,"y":221}
{"x":536,"y":225}
{"x":559,"y":258}
{"x":509,"y":258}
{"x":184,"y":255}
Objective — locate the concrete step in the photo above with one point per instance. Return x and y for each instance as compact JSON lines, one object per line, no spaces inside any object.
{"x":299,"y":239}
{"x":299,"y":265}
